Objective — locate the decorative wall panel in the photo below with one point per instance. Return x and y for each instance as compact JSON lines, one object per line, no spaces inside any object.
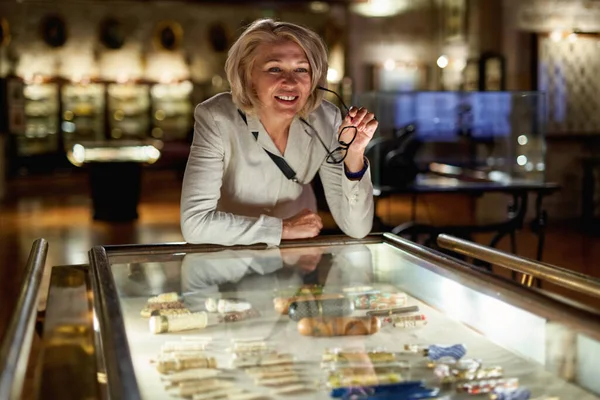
{"x":568,"y":72}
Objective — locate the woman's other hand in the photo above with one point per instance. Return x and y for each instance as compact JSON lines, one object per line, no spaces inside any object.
{"x":305,"y":224}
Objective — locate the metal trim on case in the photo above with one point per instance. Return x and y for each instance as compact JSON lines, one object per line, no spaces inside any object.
{"x":120,"y":374}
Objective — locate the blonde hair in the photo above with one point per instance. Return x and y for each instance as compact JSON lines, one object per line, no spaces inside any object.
{"x":242,"y":56}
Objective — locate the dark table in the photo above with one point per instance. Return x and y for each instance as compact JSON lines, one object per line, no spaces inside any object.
{"x":519,"y":190}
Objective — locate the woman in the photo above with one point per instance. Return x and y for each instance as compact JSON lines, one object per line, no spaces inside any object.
{"x":256,"y":149}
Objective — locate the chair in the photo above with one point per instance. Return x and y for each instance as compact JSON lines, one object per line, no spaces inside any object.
{"x":393,"y":157}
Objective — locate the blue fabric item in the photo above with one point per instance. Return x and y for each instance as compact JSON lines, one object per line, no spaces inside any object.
{"x":512,"y":394}
{"x":410,"y":390}
{"x":457,"y":351}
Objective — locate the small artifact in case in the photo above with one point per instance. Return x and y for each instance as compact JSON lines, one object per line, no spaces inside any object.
{"x":183,"y":322}
{"x":320,"y":308}
{"x":163,"y":302}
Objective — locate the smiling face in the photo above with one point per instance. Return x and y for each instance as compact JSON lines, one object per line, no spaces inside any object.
{"x":281,"y":78}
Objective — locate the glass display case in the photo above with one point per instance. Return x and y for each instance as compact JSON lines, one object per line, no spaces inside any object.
{"x":172,"y":110}
{"x":83,"y":112}
{"x":380,"y":317}
{"x":500,"y":134}
{"x":128,"y":110}
{"x":115,"y":166}
{"x":40,"y":131}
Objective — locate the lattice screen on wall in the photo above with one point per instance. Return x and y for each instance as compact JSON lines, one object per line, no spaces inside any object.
{"x":569,"y":73}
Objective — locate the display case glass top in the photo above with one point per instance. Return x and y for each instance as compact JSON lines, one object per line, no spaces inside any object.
{"x":309,"y":320}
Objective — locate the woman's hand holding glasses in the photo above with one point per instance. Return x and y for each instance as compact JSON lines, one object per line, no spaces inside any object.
{"x":355,"y":133}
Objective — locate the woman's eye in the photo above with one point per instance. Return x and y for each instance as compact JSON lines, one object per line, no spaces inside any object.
{"x":303,"y":70}
{"x":274,"y":69}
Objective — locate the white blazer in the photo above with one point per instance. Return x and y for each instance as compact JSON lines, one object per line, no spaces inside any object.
{"x":233,"y":192}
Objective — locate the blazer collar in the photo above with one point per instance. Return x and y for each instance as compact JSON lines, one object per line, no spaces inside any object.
{"x":299,"y":142}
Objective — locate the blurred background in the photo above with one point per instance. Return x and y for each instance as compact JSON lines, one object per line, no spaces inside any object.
{"x":97,"y":100}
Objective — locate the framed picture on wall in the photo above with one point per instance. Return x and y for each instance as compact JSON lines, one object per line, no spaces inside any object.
{"x":111,"y":33}
{"x":168,"y":35}
{"x":53,"y":30}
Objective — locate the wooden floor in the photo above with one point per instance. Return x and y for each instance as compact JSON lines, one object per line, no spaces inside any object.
{"x":59,"y":209}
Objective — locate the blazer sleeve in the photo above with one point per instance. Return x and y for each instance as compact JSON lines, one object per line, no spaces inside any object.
{"x":201,"y":190}
{"x":350,"y":201}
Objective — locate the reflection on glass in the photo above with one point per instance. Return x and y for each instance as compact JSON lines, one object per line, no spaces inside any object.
{"x":261,"y":272}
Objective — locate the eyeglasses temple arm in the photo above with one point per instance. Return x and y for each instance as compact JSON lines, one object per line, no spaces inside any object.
{"x":336,"y":95}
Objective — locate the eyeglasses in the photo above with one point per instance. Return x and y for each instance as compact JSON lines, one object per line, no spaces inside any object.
{"x":338,"y":155}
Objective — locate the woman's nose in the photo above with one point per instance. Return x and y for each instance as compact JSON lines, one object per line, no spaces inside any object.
{"x":288,"y":78}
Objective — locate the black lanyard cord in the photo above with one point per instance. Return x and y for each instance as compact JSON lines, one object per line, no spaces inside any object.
{"x":283,"y":166}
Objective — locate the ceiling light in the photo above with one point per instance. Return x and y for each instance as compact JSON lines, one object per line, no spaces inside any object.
{"x":442,"y":61}
{"x":318,"y":6}
{"x":556,"y":36}
{"x":382,"y":8}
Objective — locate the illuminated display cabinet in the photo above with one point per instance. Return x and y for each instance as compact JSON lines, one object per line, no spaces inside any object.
{"x":33,"y":117}
{"x":83,"y":108}
{"x":128,"y":110}
{"x":172,"y":110}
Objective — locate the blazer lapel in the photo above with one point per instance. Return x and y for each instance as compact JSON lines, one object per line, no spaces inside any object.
{"x":260,"y":134}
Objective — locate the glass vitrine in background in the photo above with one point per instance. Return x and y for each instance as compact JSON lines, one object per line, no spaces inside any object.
{"x":128,"y":110}
{"x":172,"y":110}
{"x":40,"y":133}
{"x":501,"y":134}
{"x":83,"y":112}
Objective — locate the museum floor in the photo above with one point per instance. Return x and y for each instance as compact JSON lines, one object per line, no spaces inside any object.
{"x":58,"y":209}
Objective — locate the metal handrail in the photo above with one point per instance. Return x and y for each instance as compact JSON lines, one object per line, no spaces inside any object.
{"x":14,"y":352}
{"x":559,"y":276}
